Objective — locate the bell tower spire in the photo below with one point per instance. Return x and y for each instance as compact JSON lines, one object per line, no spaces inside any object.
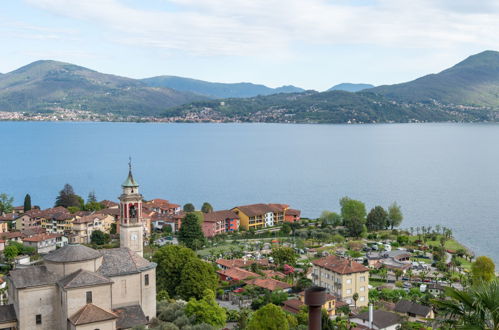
{"x":131,"y":222}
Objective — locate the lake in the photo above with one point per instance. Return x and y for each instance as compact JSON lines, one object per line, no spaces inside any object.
{"x":445,"y":174}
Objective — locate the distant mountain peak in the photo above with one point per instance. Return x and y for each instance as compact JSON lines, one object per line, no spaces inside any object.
{"x":350,"y":87}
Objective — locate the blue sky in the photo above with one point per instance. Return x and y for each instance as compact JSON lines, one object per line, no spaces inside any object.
{"x":313,"y":44}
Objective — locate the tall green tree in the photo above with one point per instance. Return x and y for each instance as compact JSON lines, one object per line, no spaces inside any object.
{"x":206,"y":310}
{"x":6,"y":203}
{"x":395,"y":216}
{"x":68,"y":198}
{"x":195,"y":277}
{"x":91,"y":197}
{"x":10,"y":252}
{"x":475,"y":308}
{"x":206,"y":208}
{"x":483,"y":270}
{"x":171,"y":260}
{"x":189,"y":207}
{"x":98,"y":237}
{"x":27,"y":202}
{"x":269,"y":317}
{"x":353,"y":213}
{"x":330,"y":218}
{"x":190,"y":233}
{"x":377,"y":219}
{"x":283,"y":255}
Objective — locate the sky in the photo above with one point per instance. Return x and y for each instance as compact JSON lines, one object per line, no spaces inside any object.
{"x":313,"y":44}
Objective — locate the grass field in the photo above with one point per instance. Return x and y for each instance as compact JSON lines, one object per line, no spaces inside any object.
{"x":450,"y":244}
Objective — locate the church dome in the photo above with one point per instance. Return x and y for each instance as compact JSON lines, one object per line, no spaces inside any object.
{"x":72,"y":253}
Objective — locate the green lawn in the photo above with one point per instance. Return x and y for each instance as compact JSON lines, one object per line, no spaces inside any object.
{"x":450,"y":244}
{"x":224,"y":248}
{"x":426,"y":261}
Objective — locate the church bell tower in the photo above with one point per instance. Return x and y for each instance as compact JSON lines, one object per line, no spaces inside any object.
{"x":131,"y":227}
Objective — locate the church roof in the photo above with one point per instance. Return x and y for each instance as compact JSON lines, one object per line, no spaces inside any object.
{"x":91,"y":314}
{"x":130,"y":316}
{"x":83,"y":278}
{"x":7,"y":313}
{"x":32,"y":276}
{"x":130,"y":181}
{"x":72,"y":253}
{"x":122,"y":261}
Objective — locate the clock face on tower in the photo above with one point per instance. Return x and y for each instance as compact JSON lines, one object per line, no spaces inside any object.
{"x":134,"y":237}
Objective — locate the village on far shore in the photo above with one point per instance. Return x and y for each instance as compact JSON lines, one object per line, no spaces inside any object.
{"x":136,"y":263}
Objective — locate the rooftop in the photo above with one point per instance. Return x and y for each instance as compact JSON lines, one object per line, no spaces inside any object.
{"x":91,"y":314}
{"x":72,"y":253}
{"x":381,"y":319}
{"x":255,"y":209}
{"x":31,"y":277}
{"x":237,"y":274}
{"x":122,"y":261}
{"x":130,"y":316}
{"x":41,"y":237}
{"x":220,"y":216}
{"x":7,"y":313}
{"x":340,"y":265}
{"x":269,"y":284}
{"x":406,"y":306}
{"x":82,"y":278}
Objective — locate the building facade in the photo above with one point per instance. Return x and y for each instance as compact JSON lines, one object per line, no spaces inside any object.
{"x":343,"y":278}
{"x":80,"y":288}
{"x":219,"y":222}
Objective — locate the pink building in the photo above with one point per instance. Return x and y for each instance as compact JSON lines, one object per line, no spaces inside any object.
{"x":219,"y":222}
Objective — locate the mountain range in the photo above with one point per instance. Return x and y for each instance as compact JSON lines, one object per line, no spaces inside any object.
{"x":468,"y":91}
{"x":217,"y":90}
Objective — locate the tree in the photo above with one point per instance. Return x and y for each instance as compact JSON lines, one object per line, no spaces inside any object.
{"x":398,"y":273}
{"x":91,"y":197}
{"x":330,"y":218}
{"x":27,"y":202}
{"x":285,"y":229}
{"x":10,"y":252}
{"x":283,"y":255}
{"x":395,"y":216}
{"x":269,"y":317}
{"x":6,"y":203}
{"x":206,"y":208}
{"x":355,"y":297}
{"x":195,"y":277}
{"x":171,"y":259}
{"x":206,"y":310}
{"x":67,"y":198}
{"x":377,"y":219}
{"x":99,"y":238}
{"x":189,"y":207}
{"x":190,"y":233}
{"x":483,"y":270}
{"x":353,"y":213}
{"x":475,"y":308}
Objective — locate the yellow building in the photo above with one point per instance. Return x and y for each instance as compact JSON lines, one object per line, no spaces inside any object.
{"x":343,"y":278}
{"x":259,"y":216}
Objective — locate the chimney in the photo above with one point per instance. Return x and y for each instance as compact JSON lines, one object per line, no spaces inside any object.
{"x":371,"y":319}
{"x":315,"y":297}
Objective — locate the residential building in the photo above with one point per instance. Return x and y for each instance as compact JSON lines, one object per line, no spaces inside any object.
{"x":292,"y":215}
{"x":330,"y":304}
{"x":43,"y":243}
{"x":219,"y":222}
{"x":260,"y":215}
{"x":236,"y":274}
{"x":343,"y":278}
{"x":381,"y":320}
{"x":83,"y":227}
{"x":162,"y":206}
{"x":79,"y":288}
{"x":269,"y":284}
{"x":414,"y":311}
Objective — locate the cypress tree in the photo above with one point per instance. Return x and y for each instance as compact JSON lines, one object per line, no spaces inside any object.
{"x":27,"y":202}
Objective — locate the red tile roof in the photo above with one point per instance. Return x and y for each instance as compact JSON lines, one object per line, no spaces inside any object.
{"x":219,"y":216}
{"x":255,"y":209}
{"x":340,"y":265}
{"x":272,"y":273}
{"x":293,"y":212}
{"x":269,"y":284}
{"x":91,"y":314}
{"x":230,"y":263}
{"x":237,"y":274}
{"x":292,"y":305}
{"x":41,"y":237}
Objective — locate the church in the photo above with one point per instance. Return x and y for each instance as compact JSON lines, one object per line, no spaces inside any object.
{"x":79,"y":288}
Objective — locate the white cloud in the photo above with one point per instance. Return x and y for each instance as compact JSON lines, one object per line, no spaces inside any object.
{"x":273,"y":27}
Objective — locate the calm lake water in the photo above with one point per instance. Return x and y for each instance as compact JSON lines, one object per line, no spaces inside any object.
{"x":445,"y":174}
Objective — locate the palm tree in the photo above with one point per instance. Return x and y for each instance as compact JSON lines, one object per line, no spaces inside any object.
{"x":398,"y":273}
{"x":476,"y":308}
{"x":355,"y":298}
{"x":422,"y":275}
{"x":409,"y":274}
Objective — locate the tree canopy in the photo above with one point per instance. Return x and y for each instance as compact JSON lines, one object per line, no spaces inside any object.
{"x":190,"y":233}
{"x":68,"y":198}
{"x":27,"y":203}
{"x":330,"y":218}
{"x":6,"y":203}
{"x":395,"y":216}
{"x":483,"y":270}
{"x":353,"y":213}
{"x":206,"y":310}
{"x":377,"y":219}
{"x":283,"y":255}
{"x":98,"y":237}
{"x":206,"y":208}
{"x":195,"y":277}
{"x":189,"y":207}
{"x":269,"y":317}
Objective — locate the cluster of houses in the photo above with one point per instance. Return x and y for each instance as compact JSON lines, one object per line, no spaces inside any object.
{"x":45,"y":230}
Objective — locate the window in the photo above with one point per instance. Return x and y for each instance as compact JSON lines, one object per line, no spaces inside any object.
{"x":349,"y":291}
{"x":38,"y":318}
{"x":349,"y":281}
{"x":362,"y":298}
{"x":89,"y":297}
{"x":362,"y":278}
{"x":146,"y":279}
{"x":362,"y":288}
